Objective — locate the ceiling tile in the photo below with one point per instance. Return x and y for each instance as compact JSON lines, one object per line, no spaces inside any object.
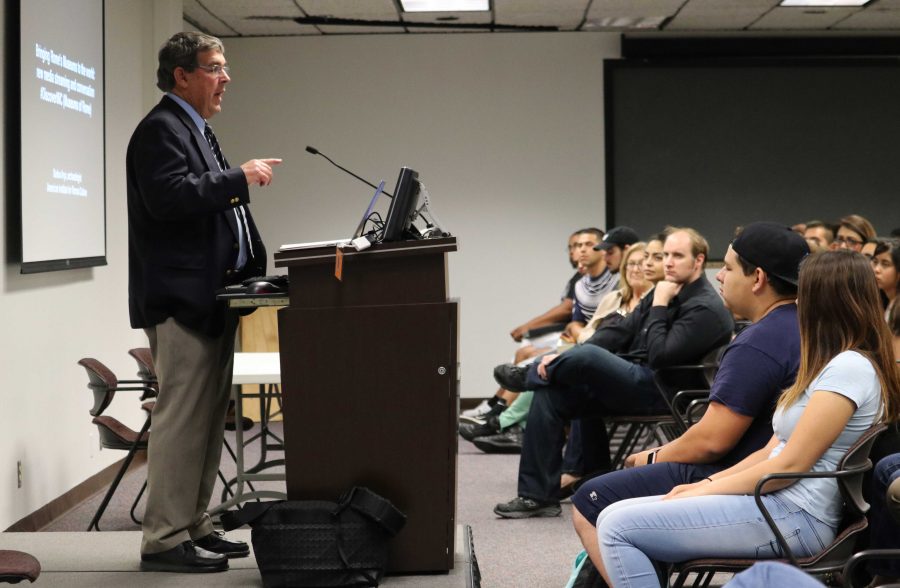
{"x":247,"y":17}
{"x":564,"y":20}
{"x":204,"y":20}
{"x":357,"y":9}
{"x":632,"y":8}
{"x":802,"y":18}
{"x":563,"y":14}
{"x":719,"y":15}
{"x":873,"y":20}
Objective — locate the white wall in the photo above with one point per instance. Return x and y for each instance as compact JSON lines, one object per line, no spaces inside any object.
{"x":506,"y":131}
{"x":52,"y":320}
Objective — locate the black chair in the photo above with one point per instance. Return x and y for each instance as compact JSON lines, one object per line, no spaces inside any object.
{"x":685,"y":388}
{"x":849,"y":475}
{"x":113,"y":434}
{"x":633,"y":433}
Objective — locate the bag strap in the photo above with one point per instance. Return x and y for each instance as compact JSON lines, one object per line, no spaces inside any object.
{"x":246,"y":515}
{"x":378,"y":509}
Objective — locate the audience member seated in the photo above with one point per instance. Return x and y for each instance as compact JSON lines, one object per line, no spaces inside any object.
{"x":601,"y":260}
{"x":885,"y":261}
{"x":853,"y":232}
{"x":819,"y":236}
{"x":680,"y":323}
{"x":633,"y":286}
{"x":640,"y":270}
{"x":531,"y":346}
{"x":586,"y":300}
{"x":758,"y":281}
{"x":847,"y":381}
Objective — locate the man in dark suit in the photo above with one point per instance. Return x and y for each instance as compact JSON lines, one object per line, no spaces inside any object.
{"x":189,"y":233}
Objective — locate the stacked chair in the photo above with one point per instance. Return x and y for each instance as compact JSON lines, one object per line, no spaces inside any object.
{"x":113,"y":433}
{"x":16,"y":566}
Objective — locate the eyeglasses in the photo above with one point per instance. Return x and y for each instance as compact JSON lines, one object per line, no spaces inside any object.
{"x":634,"y":264}
{"x":848,"y":241}
{"x":215,"y":69}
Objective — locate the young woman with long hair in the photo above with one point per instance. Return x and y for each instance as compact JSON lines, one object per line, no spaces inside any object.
{"x":847,"y":382}
{"x":886,"y":265}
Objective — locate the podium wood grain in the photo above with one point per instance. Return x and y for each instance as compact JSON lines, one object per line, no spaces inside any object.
{"x":369,"y":376}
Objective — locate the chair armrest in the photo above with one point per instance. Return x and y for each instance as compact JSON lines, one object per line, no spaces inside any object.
{"x":685,"y":402}
{"x":685,"y":395}
{"x":757,"y":496}
{"x":696,"y":366}
{"x":540,"y":331}
{"x":147,"y":388}
{"x":693,"y":407}
{"x":857,"y":558}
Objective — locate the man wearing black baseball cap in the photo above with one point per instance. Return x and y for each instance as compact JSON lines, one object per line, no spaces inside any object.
{"x":614,"y":243}
{"x":772,"y":247}
{"x":758,"y":282}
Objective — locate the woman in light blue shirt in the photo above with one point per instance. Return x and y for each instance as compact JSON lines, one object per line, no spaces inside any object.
{"x":846,"y":383}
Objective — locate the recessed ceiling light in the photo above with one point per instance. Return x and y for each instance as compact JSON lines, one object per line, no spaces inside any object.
{"x":824,"y":2}
{"x":625,"y":22}
{"x":445,"y":5}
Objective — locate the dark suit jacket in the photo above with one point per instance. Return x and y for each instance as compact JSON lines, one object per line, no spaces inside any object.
{"x":694,"y":323}
{"x":182,"y":232}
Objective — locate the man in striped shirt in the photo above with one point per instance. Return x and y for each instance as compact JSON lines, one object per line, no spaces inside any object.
{"x":600,"y":256}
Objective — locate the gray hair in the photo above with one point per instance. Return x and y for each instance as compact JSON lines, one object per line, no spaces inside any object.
{"x":181,"y":51}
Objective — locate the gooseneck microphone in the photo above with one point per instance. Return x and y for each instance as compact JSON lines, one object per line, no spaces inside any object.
{"x":315,"y":151}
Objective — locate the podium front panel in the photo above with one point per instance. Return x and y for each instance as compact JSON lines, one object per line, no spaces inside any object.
{"x":369,"y":398}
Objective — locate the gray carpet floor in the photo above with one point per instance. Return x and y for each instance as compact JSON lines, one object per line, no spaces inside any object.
{"x":510,"y":553}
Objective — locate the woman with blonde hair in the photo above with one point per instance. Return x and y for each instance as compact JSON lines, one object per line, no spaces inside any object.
{"x":633,"y":285}
{"x":847,"y":382}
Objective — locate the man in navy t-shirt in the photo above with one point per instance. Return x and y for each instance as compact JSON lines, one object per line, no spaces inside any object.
{"x":759,"y":283}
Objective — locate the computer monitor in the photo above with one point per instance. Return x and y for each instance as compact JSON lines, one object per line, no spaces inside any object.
{"x":398,"y":226}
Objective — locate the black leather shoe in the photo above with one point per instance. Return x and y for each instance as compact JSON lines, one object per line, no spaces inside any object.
{"x":217,"y":543}
{"x":511,"y":377}
{"x":470,"y":431}
{"x":506,"y":441}
{"x":184,"y":558}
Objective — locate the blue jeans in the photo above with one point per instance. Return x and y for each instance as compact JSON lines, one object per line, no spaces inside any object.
{"x":585,"y":383}
{"x":651,"y":480}
{"x":635,"y":533}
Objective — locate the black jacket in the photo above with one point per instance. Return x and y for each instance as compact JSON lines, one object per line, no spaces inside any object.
{"x":182,"y":233}
{"x":695,"y":322}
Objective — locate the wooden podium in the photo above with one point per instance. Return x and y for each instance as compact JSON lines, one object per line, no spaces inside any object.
{"x":369,"y":376}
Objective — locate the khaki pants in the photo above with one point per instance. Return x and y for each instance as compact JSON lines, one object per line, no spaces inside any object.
{"x":187,"y":431}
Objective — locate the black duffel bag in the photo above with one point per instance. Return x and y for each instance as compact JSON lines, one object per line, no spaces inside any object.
{"x":315,"y":543}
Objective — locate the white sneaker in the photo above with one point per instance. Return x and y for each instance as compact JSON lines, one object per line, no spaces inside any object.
{"x":476,"y":415}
